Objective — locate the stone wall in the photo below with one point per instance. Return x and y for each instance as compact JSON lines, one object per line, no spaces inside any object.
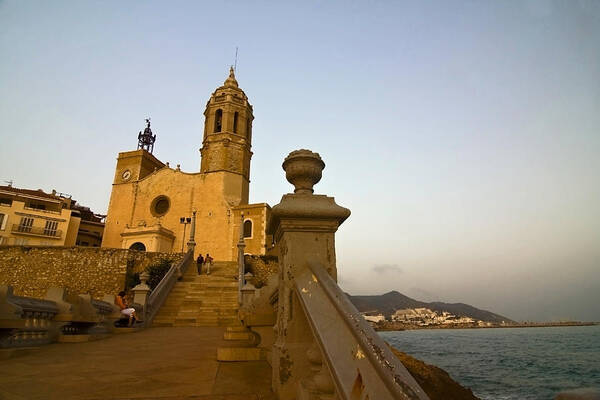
{"x":80,"y":270}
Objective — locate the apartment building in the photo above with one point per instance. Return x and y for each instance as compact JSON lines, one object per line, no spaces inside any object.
{"x":36,"y":218}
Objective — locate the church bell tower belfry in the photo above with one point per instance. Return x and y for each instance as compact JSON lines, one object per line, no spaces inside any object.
{"x":228,"y":132}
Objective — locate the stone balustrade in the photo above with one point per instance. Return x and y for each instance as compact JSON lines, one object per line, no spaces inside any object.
{"x":323,"y":348}
{"x":361,"y":365}
{"x":80,"y":317}
{"x":30,"y":322}
{"x":25,"y":321}
{"x":258,"y":312}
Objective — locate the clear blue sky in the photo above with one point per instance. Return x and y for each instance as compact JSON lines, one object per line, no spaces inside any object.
{"x":464,"y":136}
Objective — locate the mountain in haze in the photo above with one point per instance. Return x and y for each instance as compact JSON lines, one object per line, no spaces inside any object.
{"x":389,"y":302}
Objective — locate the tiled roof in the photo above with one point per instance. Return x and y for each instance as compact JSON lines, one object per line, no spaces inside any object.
{"x":29,"y":192}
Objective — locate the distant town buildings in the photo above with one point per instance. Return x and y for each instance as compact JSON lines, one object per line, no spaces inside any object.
{"x":36,"y":218}
{"x":423,"y":317}
{"x":375,"y":318}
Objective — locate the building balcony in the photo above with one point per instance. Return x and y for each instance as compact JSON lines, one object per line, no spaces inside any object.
{"x":42,"y":210}
{"x":36,"y":231}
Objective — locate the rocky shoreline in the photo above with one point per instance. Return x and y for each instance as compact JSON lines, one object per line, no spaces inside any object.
{"x":436,"y":382}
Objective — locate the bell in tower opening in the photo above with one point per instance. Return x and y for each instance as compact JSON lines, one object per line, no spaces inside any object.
{"x":146,"y":140}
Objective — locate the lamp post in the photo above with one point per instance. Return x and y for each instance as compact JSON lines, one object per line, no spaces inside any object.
{"x":185,"y":221}
{"x":241,"y":270}
{"x":192,"y":243}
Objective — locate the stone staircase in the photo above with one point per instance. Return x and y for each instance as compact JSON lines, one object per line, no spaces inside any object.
{"x":203,"y":300}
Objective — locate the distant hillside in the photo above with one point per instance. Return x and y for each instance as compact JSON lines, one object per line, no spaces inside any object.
{"x":389,"y":302}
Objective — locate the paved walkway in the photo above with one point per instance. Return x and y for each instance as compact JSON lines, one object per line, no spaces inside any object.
{"x":157,"y":363}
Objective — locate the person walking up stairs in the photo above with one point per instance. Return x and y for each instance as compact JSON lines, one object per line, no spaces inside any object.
{"x":203,"y":300}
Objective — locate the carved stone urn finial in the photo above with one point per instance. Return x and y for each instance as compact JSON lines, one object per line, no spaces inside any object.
{"x":144,"y":276}
{"x":303,"y":169}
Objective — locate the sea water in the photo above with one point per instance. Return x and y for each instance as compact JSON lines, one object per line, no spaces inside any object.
{"x":509,"y":363}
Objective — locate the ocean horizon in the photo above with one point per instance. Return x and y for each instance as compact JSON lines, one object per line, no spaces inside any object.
{"x":509,"y":363}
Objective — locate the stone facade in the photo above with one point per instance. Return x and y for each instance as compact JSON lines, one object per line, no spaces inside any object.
{"x":96,"y":271}
{"x":149,"y":197}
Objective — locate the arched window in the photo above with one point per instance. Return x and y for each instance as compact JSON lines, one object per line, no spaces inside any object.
{"x":139,"y":246}
{"x":248,"y":128}
{"x":218,"y":120}
{"x":235,"y":122}
{"x":247,"y":228}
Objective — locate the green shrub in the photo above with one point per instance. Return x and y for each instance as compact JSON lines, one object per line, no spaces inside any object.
{"x":157,"y":271}
{"x":131,"y":279}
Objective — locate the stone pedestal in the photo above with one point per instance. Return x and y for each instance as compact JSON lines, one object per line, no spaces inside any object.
{"x":141,"y":291}
{"x":304,"y":226}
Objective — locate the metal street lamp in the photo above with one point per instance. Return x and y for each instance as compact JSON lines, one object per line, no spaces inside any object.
{"x":185,"y":221}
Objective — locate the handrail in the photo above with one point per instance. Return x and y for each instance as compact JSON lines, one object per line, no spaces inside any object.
{"x":102,"y":307}
{"x":158,"y":296}
{"x":32,"y":305}
{"x":185,"y":262}
{"x":26,"y":321}
{"x":241,"y":267}
{"x":390,"y":371}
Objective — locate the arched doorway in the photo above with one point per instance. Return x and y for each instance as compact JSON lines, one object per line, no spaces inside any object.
{"x":138,"y":246}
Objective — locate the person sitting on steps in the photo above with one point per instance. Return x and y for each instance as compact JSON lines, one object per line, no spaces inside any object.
{"x":208,"y":262}
{"x":125,"y":310}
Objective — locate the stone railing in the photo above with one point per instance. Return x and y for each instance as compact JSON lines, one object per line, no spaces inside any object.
{"x":359,"y":362}
{"x":80,"y":317}
{"x":258,"y":311}
{"x":241,"y":245}
{"x":323,"y":348}
{"x":25,"y":321}
{"x":160,"y":293}
{"x":28,"y":322}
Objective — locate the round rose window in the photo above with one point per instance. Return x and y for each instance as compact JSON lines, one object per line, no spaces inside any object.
{"x":160,"y":206}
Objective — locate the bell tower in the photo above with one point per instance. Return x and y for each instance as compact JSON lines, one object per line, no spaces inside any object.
{"x":227,"y":131}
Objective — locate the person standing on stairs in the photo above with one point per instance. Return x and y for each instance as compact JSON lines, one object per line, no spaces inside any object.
{"x":208,"y":262}
{"x":199,"y":263}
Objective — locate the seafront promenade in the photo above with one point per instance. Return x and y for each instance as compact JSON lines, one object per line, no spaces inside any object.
{"x":156,"y":363}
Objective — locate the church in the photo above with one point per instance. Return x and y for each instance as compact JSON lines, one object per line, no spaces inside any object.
{"x":151,"y":203}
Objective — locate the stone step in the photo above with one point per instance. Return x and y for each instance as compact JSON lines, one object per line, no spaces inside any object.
{"x":161,"y":324}
{"x":240,"y":354}
{"x":213,"y":283}
{"x":185,"y":314}
{"x":192,"y":302}
{"x":210,"y":314}
{"x":203,"y":300}
{"x":212,"y":311}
